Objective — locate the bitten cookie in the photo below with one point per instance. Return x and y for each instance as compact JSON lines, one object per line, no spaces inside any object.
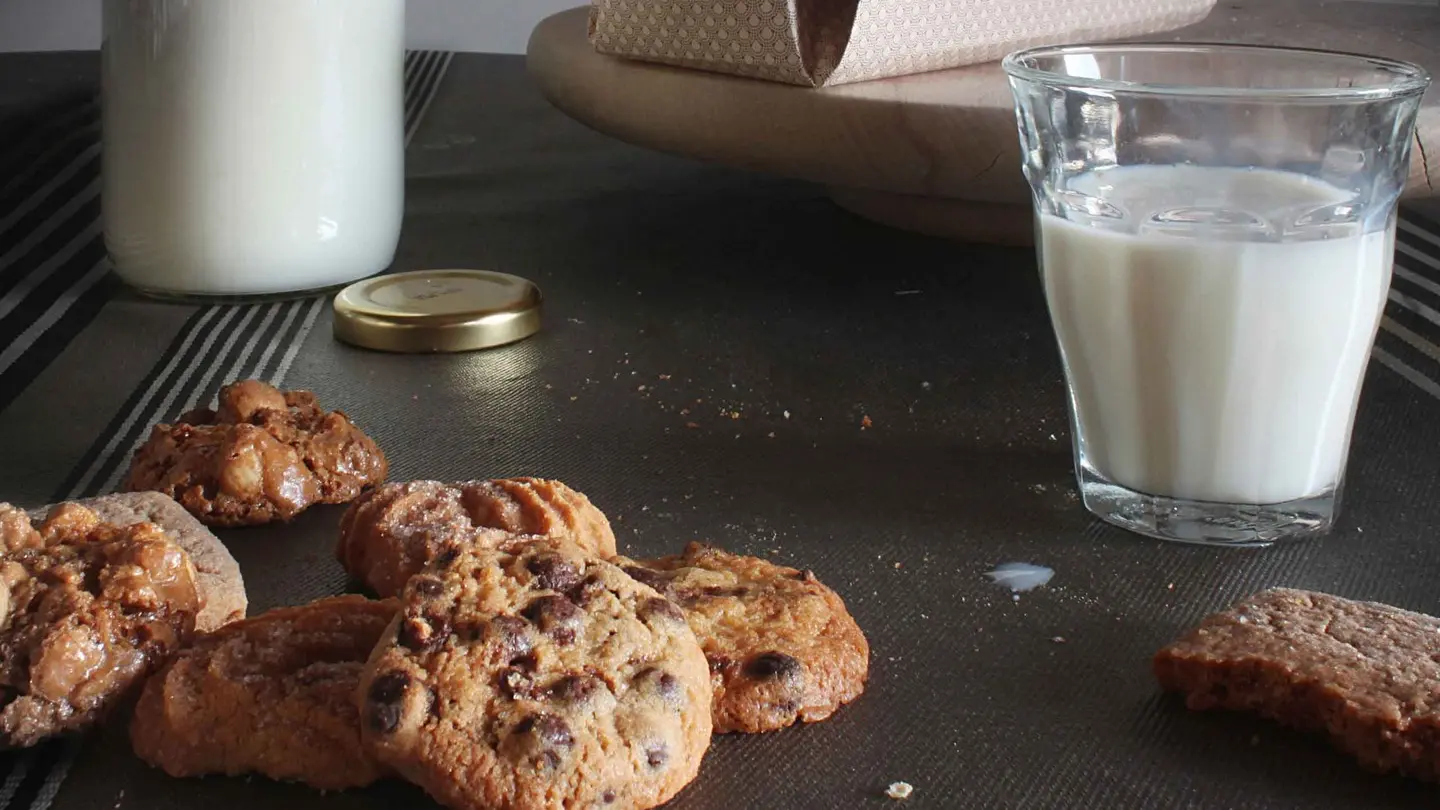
{"x":222,"y":589}
{"x":1362,"y":673}
{"x":541,"y":678}
{"x":781,"y":645}
{"x":265,"y":455}
{"x":89,"y":610}
{"x":391,"y":532}
{"x":273,"y":695}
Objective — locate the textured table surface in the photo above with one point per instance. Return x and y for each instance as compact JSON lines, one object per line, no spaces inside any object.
{"x":714,"y":344}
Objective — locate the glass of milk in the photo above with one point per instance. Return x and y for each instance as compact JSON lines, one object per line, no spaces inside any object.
{"x":252,"y":148}
{"x":1215,"y":227}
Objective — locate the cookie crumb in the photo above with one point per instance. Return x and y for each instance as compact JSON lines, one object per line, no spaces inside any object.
{"x":1058,"y":639}
{"x":899,"y":791}
{"x":865,"y":422}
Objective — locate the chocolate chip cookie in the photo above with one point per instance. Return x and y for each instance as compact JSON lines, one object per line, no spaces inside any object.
{"x":222,"y":588}
{"x":89,"y":610}
{"x":391,"y":532}
{"x":538,"y":678}
{"x":273,"y":695}
{"x":781,"y":645}
{"x":264,"y":455}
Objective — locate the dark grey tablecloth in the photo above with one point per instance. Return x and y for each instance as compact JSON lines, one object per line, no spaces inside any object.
{"x":714,"y":345}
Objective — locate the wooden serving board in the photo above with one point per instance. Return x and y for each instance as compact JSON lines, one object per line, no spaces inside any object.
{"x":934,"y":152}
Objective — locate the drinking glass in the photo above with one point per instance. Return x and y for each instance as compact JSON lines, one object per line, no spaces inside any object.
{"x":1215,"y":228}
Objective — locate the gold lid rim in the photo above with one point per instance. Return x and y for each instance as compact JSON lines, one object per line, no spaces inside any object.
{"x":498,"y":321}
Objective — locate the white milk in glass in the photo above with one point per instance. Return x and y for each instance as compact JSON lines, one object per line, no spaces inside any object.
{"x":252,"y":146}
{"x":1215,"y":362}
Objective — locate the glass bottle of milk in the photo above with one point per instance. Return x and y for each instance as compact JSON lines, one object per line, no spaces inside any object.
{"x":1216,"y":230}
{"x":252,"y":147}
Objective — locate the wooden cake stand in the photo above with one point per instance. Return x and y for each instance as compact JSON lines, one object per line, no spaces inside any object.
{"x":935,"y":152}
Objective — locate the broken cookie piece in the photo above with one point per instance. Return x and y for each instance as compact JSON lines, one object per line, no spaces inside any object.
{"x":781,"y":645}
{"x":273,"y":695}
{"x":222,"y":588}
{"x":263,"y":455}
{"x":1362,"y":673}
{"x":89,"y":610}
{"x":390,"y":533}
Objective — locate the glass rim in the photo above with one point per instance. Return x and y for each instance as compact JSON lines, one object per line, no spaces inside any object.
{"x":1408,"y":78}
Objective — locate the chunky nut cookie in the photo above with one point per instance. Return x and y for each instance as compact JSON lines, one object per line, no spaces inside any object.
{"x":393,"y":531}
{"x":265,"y":455}
{"x":273,"y":695}
{"x":222,"y":589}
{"x":89,"y":609}
{"x":541,"y":678}
{"x":781,"y":646}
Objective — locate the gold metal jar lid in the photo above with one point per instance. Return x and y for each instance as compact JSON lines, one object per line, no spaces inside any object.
{"x":437,"y":311}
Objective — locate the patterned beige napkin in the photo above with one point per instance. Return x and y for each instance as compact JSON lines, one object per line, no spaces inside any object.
{"x":826,"y":42}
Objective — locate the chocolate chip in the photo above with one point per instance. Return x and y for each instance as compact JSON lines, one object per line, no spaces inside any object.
{"x":386,"y":693}
{"x":511,"y":634}
{"x":468,"y":631}
{"x":384,"y":718}
{"x":773,"y":665}
{"x":427,"y":586}
{"x":585,"y":592}
{"x":389,"y":687}
{"x":668,"y":686}
{"x":446,"y":558}
{"x":576,"y":689}
{"x":423,"y":633}
{"x":662,"y":608}
{"x":645,"y":576}
{"x":556,"y":616}
{"x":661,"y":684}
{"x":554,"y":572}
{"x":415,"y":634}
{"x":549,"y":729}
{"x":608,"y":797}
{"x":720,"y":664}
{"x":549,"y":760}
{"x":657,"y":755}
{"x":691,"y":596}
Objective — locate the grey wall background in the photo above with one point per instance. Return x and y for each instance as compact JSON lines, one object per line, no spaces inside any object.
{"x":499,"y":26}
